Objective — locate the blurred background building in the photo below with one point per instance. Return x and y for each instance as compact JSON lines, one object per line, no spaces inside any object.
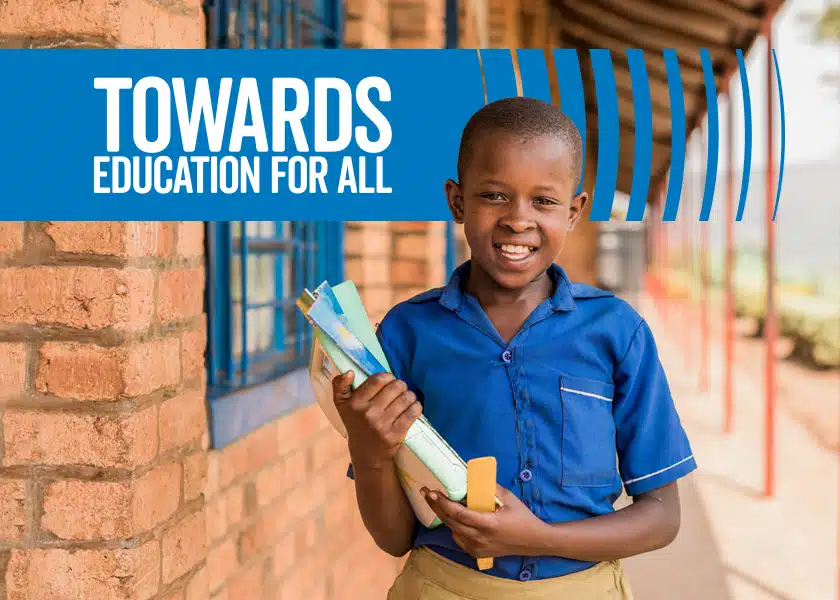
{"x":157,"y":432}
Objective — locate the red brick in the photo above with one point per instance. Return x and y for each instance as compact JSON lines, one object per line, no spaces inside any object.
{"x":328,"y":446}
{"x":88,"y":237}
{"x":367,"y":241}
{"x":13,"y":520}
{"x":59,"y":574}
{"x":377,"y":299}
{"x":248,"y":454}
{"x":151,"y":366}
{"x":97,"y":18}
{"x":306,"y":535}
{"x":180,"y":294}
{"x":367,"y":271}
{"x":82,"y":297}
{"x":89,"y":372}
{"x":295,"y":468}
{"x":88,"y":510}
{"x":414,"y":247}
{"x":197,"y":586}
{"x":147,"y":571}
{"x":191,"y":239}
{"x":156,"y":496}
{"x":81,"y":371}
{"x":403,"y":294}
{"x":216,"y":518}
{"x":184,"y":546}
{"x":195,"y":475}
{"x":410,"y":226}
{"x":222,"y":563}
{"x":193,"y":346}
{"x":11,"y":234}
{"x":71,"y":439}
{"x":146,"y":24}
{"x":12,"y":370}
{"x":225,"y":510}
{"x":284,"y":555}
{"x":270,"y":484}
{"x":411,"y":273}
{"x":149,"y":238}
{"x":362,"y":33}
{"x":182,"y":420}
{"x":235,"y":505}
{"x":249,"y":584}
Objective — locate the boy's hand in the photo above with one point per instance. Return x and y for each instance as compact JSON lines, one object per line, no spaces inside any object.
{"x":377,"y":416}
{"x":513,"y":530}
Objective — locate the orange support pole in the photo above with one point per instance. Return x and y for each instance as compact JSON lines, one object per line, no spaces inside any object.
{"x":770,"y":264}
{"x":728,"y":264}
{"x":705,"y":346}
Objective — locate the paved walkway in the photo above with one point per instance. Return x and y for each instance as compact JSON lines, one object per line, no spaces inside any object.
{"x":735,"y":544}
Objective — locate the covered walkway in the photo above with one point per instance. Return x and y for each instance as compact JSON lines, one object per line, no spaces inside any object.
{"x":735,"y":543}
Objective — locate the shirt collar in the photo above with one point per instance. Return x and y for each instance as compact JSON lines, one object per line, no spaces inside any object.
{"x":561,"y":299}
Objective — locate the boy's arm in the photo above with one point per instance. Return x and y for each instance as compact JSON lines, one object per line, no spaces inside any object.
{"x":651,"y":522}
{"x":385,"y":510}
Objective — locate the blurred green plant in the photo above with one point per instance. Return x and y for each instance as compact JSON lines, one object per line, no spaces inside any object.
{"x":828,"y":24}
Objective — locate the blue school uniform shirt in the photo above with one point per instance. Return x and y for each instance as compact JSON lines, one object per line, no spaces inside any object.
{"x":574,"y":408}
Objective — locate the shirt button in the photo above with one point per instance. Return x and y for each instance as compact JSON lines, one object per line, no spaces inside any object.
{"x":506,"y":356}
{"x":525,"y":475}
{"x":525,"y":575}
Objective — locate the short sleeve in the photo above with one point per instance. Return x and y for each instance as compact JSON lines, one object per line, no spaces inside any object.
{"x":388,"y":341}
{"x":653,"y":448}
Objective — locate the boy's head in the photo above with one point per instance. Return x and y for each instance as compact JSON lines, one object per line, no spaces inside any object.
{"x":518,"y":169}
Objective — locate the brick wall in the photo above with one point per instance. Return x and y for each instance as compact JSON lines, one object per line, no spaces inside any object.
{"x":107,"y":486}
{"x":102,"y":424}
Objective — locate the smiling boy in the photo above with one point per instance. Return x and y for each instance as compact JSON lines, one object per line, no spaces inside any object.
{"x":561,"y":382}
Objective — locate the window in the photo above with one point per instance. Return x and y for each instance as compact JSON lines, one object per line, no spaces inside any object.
{"x":258,"y":343}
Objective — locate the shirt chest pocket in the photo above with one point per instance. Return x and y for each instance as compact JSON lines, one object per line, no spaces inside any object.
{"x":589,"y":445}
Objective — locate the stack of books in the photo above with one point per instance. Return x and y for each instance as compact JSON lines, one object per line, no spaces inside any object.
{"x":344,"y":340}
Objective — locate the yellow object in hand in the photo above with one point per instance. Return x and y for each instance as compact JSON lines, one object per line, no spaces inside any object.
{"x":481,"y":492}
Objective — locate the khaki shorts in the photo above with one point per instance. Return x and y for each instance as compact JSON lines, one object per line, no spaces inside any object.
{"x":429,"y":576}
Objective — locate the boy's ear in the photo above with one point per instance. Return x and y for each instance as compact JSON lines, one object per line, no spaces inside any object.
{"x":576,"y":208}
{"x":455,"y":200}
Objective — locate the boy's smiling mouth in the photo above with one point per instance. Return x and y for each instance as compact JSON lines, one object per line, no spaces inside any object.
{"x":515,"y":252}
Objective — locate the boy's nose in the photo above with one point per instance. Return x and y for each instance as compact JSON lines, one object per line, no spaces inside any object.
{"x":518,"y":217}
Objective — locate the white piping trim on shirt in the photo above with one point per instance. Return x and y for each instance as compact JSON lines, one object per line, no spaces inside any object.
{"x":676,"y":464}
{"x":604,"y":398}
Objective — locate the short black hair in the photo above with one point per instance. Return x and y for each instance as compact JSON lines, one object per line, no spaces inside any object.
{"x":526,"y":118}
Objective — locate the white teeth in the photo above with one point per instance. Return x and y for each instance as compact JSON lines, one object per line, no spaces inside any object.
{"x":511,"y":249}
{"x":515,"y":251}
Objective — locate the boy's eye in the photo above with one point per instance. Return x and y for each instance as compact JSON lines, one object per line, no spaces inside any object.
{"x":546,"y":201}
{"x":494,"y":196}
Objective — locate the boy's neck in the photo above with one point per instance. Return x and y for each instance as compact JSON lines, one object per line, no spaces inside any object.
{"x":489,"y":293}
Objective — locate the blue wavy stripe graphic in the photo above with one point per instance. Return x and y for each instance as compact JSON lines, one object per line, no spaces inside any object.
{"x":782,"y":115}
{"x":572,"y":101}
{"x":607,"y":99}
{"x":498,"y":74}
{"x":713,"y":127}
{"x":534,"y":74}
{"x":643,"y":153}
{"x":745,"y":175}
{"x":675,"y":179}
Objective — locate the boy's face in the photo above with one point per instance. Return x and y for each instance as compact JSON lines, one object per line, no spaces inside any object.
{"x":517,"y":203}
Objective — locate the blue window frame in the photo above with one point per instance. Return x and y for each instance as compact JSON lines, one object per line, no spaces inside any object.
{"x":257,"y":340}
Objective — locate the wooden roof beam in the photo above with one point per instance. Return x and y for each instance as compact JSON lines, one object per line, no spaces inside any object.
{"x":661,"y":123}
{"x":646,"y":37}
{"x":678,"y":21}
{"x":654,"y":61}
{"x":722,"y":10}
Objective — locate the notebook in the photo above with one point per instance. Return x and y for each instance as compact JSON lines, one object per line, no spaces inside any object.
{"x":343,"y":340}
